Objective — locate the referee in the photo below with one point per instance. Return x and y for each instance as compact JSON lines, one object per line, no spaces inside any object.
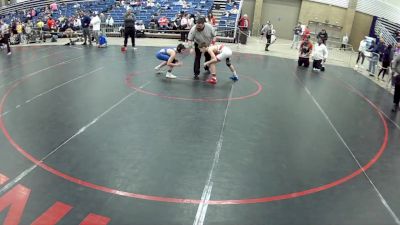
{"x":201,"y":33}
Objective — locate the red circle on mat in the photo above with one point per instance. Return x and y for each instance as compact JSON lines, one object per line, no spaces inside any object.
{"x":132,"y":85}
{"x":196,"y":201}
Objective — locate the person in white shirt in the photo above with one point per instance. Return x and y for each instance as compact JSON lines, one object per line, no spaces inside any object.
{"x":345,"y":41}
{"x":320,"y":54}
{"x":110,"y":21}
{"x":96,"y":22}
{"x":77,"y":24}
{"x":361,"y":52}
{"x":184,"y":27}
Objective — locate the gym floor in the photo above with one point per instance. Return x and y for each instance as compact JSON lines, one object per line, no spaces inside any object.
{"x":95,"y":136}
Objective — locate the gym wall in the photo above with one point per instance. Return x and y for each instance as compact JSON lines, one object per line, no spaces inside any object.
{"x":361,"y":26}
{"x":283,"y":14}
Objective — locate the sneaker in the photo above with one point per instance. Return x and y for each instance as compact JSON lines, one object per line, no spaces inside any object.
{"x":9,"y":53}
{"x":234,"y":78}
{"x":84,"y":43}
{"x":395,"y":108}
{"x":212,"y":80}
{"x":371,"y":75}
{"x":157,"y":68}
{"x":170,"y":75}
{"x":196,"y":77}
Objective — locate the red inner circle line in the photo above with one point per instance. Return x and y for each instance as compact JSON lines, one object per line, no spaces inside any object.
{"x":133,"y":86}
{"x":105,"y":189}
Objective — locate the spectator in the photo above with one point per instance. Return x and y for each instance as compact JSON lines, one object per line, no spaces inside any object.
{"x":77,"y":24}
{"x":323,"y":36}
{"x":129,"y":23}
{"x":33,"y":12}
{"x":51,"y":24}
{"x":96,"y":23}
{"x":53,"y":7}
{"x":85,"y":21}
{"x":244,"y":24}
{"x":201,"y":33}
{"x":153,"y":23}
{"x":67,"y":27}
{"x":306,"y":32}
{"x":396,"y":51}
{"x":345,"y":42}
{"x":396,"y":82}
{"x":398,"y":36}
{"x":267,"y":30}
{"x":234,"y":10}
{"x":361,"y":52}
{"x":40,"y":25}
{"x":20,"y":32}
{"x":192,"y":20}
{"x":5,"y":35}
{"x":212,"y":20}
{"x":386,"y":59}
{"x":110,"y":21}
{"x":296,"y":35}
{"x":163,"y":23}
{"x":376,"y":50}
{"x":102,"y":18}
{"x":184,"y":26}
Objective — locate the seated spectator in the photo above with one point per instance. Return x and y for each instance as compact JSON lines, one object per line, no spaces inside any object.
{"x":33,"y":12}
{"x":230,"y":3}
{"x":51,"y":24}
{"x":53,"y":7}
{"x":153,"y":23}
{"x":40,"y":24}
{"x":398,"y":36}
{"x":163,"y":23}
{"x":77,"y":24}
{"x":234,"y":10}
{"x":211,"y":19}
{"x":150,"y":4}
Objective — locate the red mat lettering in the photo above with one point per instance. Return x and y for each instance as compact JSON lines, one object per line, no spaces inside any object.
{"x":16,"y":200}
{"x":93,"y":219}
{"x":53,"y":215}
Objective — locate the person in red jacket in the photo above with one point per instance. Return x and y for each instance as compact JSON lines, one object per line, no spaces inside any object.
{"x":51,"y":23}
{"x":306,"y":33}
{"x":244,"y":23}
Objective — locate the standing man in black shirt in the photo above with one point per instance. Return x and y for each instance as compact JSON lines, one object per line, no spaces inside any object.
{"x":129,"y":23}
{"x":85,"y":21}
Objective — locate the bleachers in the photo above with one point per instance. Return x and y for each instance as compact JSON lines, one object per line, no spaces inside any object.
{"x":167,"y":8}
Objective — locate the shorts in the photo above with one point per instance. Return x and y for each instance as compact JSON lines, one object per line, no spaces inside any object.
{"x":164,"y":57}
{"x":225,"y":53}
